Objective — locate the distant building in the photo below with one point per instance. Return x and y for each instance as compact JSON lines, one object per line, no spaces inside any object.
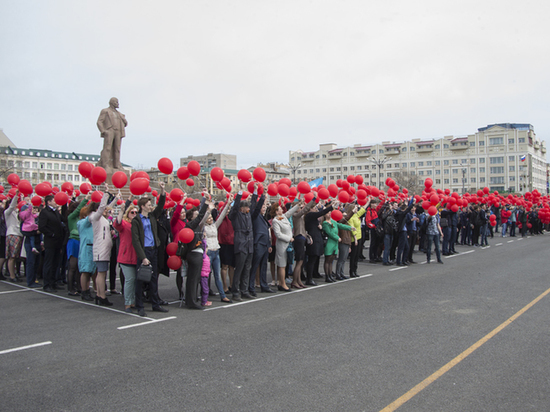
{"x":225,"y":161}
{"x":506,"y":157}
{"x":273,"y":171}
{"x":39,"y":165}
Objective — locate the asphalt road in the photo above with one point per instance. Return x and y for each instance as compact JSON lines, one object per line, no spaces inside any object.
{"x":452,"y":337}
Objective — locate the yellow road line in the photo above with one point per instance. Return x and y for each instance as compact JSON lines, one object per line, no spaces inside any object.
{"x":436,"y":375}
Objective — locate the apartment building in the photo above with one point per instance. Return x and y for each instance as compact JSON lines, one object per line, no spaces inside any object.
{"x":506,"y":157}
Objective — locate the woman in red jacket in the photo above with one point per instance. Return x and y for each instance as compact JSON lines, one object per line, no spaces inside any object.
{"x":127,"y":257}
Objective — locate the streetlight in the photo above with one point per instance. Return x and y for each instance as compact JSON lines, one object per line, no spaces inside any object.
{"x":293,"y":168}
{"x":463,"y":176}
{"x":380,"y":164}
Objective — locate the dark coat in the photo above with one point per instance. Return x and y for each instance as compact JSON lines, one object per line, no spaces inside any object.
{"x":259,"y":224}
{"x":317,"y":248}
{"x":243,"y":240}
{"x":51,"y":226}
{"x":138,"y":234}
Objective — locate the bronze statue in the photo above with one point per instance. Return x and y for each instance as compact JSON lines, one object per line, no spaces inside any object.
{"x":111,"y":124}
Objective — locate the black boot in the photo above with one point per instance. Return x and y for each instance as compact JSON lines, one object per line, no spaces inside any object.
{"x":86,"y":295}
{"x":104,"y":302}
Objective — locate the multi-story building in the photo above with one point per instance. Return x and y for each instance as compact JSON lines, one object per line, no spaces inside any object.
{"x":505,"y":157}
{"x":39,"y":165}
{"x":273,"y":171}
{"x":225,"y":161}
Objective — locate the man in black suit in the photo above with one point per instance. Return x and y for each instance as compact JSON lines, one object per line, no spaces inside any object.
{"x":262,"y":245}
{"x":51,"y":226}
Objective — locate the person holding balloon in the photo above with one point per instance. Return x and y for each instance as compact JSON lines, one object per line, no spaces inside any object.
{"x":331,"y":228}
{"x":51,"y":227}
{"x":315,"y":249}
{"x":127,"y":258}
{"x":14,"y":237}
{"x":73,"y":245}
{"x":29,"y":228}
{"x":433,"y":232}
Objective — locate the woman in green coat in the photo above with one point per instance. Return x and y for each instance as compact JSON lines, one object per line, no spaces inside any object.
{"x":330,"y":227}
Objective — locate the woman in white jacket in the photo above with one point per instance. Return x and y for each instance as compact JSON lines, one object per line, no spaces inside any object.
{"x":283,"y":232}
{"x":103,"y":244}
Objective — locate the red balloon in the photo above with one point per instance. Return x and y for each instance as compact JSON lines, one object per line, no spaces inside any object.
{"x":36,"y":201}
{"x":139,"y":174}
{"x":1,"y":189}
{"x":139,"y":186}
{"x":186,"y":235}
{"x":226,"y":183}
{"x":183,"y":173}
{"x":176,"y":194}
{"x":434,"y":199}
{"x":85,"y":188}
{"x":338,"y":183}
{"x":351,"y":179}
{"x":284,"y":190}
{"x":174,"y":262}
{"x":359,"y":179}
{"x":336,"y":215}
{"x":190,"y":182}
{"x":42,"y":189}
{"x":244,"y":175}
{"x":67,"y":187}
{"x":303,"y":187}
{"x":98,"y":175}
{"x":426,"y":205}
{"x":216,"y":174}
{"x":432,"y":210}
{"x":454,"y":208}
{"x":361,"y":194}
{"x":272,"y":189}
{"x":485,"y":190}
{"x":324,"y":194}
{"x":375,"y":191}
{"x":194,"y":167}
{"x":286,"y":181}
{"x":61,"y":198}
{"x":428,"y":183}
{"x":308,"y":197}
{"x":85,"y":169}
{"x":343,"y":197}
{"x":333,"y":190}
{"x":259,"y":174}
{"x":25,"y":187}
{"x":494,"y":223}
{"x":13,"y":179}
{"x":134,"y":202}
{"x":493,"y":217}
{"x":119,"y":202}
{"x":172,"y":248}
{"x":119,"y":179}
{"x":165,"y":166}
{"x":97,"y":196}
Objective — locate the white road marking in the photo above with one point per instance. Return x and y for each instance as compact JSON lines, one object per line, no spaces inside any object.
{"x":36,"y":345}
{"x":498,"y":244}
{"x":146,"y":323}
{"x":510,"y":241}
{"x":14,"y":291}
{"x":399,"y":268}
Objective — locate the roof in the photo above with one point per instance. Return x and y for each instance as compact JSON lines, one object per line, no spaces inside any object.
{"x":393,"y":145}
{"x":518,"y":126}
{"x":425,"y":142}
{"x":459,"y":139}
{"x":50,"y":154}
{"x":335,"y":150}
{"x":5,"y":140}
{"x":362,"y":148}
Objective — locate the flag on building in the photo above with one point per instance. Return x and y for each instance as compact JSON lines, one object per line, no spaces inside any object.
{"x":316,"y":182}
{"x":522,"y":158}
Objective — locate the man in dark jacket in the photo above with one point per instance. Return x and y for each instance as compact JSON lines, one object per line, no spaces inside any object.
{"x":262,"y":245}
{"x":51,"y":226}
{"x":240,"y":217}
{"x":403,"y":241}
{"x":146,"y":241}
{"x":315,"y":249}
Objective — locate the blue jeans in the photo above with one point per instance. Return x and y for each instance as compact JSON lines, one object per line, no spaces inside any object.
{"x":259,"y":260}
{"x":388,"y":239}
{"x":504,"y":227}
{"x":343,"y":252}
{"x":435,"y":240}
{"x":31,"y":264}
{"x":446,"y":239}
{"x":215,"y":265}
{"x":402,"y":247}
{"x":484,"y":231}
{"x":129,"y":272}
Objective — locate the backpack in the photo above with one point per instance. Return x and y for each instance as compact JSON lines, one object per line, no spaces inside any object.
{"x":390,"y":224}
{"x":379,"y":228}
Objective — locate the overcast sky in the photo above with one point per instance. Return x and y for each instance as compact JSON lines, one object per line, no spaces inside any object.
{"x":259,"y":78}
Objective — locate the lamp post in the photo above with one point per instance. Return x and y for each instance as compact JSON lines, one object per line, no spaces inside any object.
{"x":293,"y":169}
{"x":380,"y":164}
{"x":463,"y":176}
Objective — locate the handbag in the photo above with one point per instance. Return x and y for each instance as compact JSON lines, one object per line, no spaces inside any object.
{"x":144,"y":273}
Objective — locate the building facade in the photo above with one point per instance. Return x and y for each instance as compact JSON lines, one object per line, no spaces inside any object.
{"x":225,"y":161}
{"x":504,"y":157}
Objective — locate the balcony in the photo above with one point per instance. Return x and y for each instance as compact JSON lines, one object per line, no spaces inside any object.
{"x":424,"y":148}
{"x":459,"y":146}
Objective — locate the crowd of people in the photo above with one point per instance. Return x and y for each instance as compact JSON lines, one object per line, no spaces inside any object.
{"x":232,"y":244}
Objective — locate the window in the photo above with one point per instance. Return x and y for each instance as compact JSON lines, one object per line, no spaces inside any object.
{"x":380,"y":151}
{"x":421,"y":173}
{"x":345,"y":168}
{"x":332,"y":169}
{"x":35,"y":165}
{"x":358,"y":167}
{"x":446,"y":171}
{"x":429,"y":163}
{"x":510,"y":141}
{"x":429,"y":172}
{"x":482,"y":160}
{"x":412,"y":149}
{"x":70,"y":178}
{"x":455,"y":161}
{"x":300,"y":172}
{"x":63,"y":167}
{"x":512,"y":169}
{"x":473,"y":161}
{"x":511,"y":158}
{"x":438,"y":172}
{"x":420,"y":164}
{"x":374,"y":175}
{"x":455,"y":181}
{"x":495,"y":140}
{"x":27,"y":164}
{"x":481,"y":170}
{"x":472,"y":170}
{"x":521,"y":140}
{"x":446,"y":162}
{"x":472,"y":180}
{"x":445,"y":146}
{"x":63,"y":177}
{"x":70,"y":168}
{"x":352,"y":154}
{"x":412,"y":164}
{"x":49,"y":166}
{"x":388,"y":174}
{"x":366,"y":167}
{"x":324,"y":169}
{"x":497,"y":180}
{"x":324,"y":156}
{"x":481,"y":180}
{"x":497,"y":170}
{"x":455,"y":171}
{"x":404,"y":149}
{"x":438,"y":162}
{"x":352,"y":168}
{"x":437,"y":146}
{"x":512,"y":178}
{"x":338,"y":169}
{"x":437,"y":181}
{"x":446,"y":181}
{"x":317,"y":156}
{"x":496,"y":160}
{"x":404,"y":165}
{"x":472,"y":144}
{"x":482,"y":143}
{"x":310,"y":170}
{"x":396,"y":165}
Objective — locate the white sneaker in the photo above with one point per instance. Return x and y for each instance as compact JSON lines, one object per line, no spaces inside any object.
{"x":35,"y":251}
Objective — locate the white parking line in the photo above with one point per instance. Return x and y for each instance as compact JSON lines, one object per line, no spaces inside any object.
{"x":399,"y":268}
{"x":146,"y":323}
{"x":510,"y":241}
{"x":14,"y":291}
{"x":25,"y":347}
{"x":498,"y":244}
{"x":278,"y":295}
